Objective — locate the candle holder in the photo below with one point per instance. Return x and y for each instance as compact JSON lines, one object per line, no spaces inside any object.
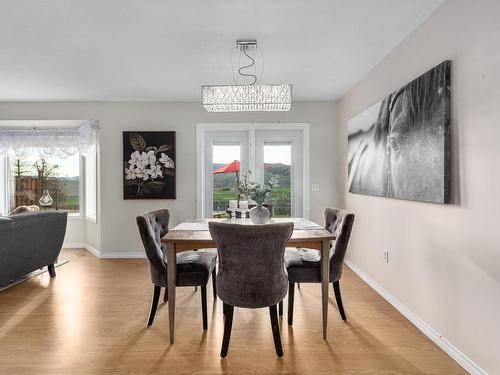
{"x":244,"y":213}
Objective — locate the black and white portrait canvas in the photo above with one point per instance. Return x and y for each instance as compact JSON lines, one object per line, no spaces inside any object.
{"x":149,"y":165}
{"x":400,"y":147}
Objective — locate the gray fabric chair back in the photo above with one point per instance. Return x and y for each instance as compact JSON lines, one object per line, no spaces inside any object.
{"x":338,"y":222}
{"x":153,"y":225}
{"x":251,"y":263}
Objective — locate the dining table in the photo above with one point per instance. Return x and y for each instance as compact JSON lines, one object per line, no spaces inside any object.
{"x":195,"y":235}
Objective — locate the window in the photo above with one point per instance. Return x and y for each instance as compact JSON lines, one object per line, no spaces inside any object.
{"x":57,"y":160}
{"x":225,"y":151}
{"x":280,"y":154}
{"x":278,"y":164}
{"x":30,"y":176}
{"x":225,"y":173}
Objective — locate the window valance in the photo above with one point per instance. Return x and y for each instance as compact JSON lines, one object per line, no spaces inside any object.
{"x":62,"y":141}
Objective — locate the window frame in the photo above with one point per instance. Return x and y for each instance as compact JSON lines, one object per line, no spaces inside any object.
{"x":223,"y":137}
{"x":296,"y":170}
{"x":89,"y":217}
{"x":4,"y":193}
{"x":251,"y":128}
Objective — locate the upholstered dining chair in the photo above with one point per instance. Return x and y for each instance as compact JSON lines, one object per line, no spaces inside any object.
{"x":251,"y":271}
{"x":193,"y":267}
{"x":303,"y":265}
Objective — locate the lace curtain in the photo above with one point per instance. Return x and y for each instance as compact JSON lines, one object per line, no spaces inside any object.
{"x":62,"y":142}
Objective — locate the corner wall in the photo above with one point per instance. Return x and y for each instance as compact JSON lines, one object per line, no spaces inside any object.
{"x":444,"y":259}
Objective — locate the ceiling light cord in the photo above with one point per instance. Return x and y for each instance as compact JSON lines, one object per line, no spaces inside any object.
{"x":236,"y":74}
{"x":262,"y":68}
{"x":248,"y":66}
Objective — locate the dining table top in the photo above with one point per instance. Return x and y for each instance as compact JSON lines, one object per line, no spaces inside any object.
{"x":196,"y":231}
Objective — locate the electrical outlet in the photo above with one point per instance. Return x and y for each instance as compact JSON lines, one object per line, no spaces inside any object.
{"x":315,"y":187}
{"x":386,"y":256}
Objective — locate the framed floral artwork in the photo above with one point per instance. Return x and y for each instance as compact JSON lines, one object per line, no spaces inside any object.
{"x":149,"y":165}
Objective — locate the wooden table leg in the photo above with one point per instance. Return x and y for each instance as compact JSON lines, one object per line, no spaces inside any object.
{"x":171,"y":282}
{"x":325,"y":278}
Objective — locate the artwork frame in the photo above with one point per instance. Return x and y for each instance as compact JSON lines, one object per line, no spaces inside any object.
{"x":400,"y":147}
{"x":149,"y":165}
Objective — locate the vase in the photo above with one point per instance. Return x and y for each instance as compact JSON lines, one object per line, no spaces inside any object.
{"x":46,"y":200}
{"x":259,"y":214}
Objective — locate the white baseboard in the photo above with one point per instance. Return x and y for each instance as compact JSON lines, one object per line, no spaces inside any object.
{"x":81,"y":245}
{"x":93,"y":251}
{"x":124,"y":255}
{"x":73,"y":245}
{"x":104,"y":255}
{"x":426,"y":329}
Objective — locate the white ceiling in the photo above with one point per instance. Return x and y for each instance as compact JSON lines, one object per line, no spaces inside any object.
{"x":158,"y":50}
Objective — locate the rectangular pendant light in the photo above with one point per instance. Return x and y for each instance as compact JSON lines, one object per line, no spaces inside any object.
{"x":246,"y":98}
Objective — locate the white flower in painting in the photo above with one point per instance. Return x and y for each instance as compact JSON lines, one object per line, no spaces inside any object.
{"x":135,"y":159}
{"x":130,"y":174}
{"x":155,"y":171}
{"x":166,"y":161}
{"x":149,"y":158}
{"x":142,"y":173}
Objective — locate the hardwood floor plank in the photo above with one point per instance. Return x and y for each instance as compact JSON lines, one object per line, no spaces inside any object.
{"x":91,"y":319}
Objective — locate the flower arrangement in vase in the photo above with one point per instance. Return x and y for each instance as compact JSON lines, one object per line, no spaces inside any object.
{"x":258,"y":193}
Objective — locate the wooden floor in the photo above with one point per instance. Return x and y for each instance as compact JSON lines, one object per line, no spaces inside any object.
{"x":91,"y":318}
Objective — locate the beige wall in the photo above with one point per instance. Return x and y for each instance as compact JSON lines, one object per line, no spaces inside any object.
{"x":444,"y":259}
{"x":118,"y":234}
{"x":75,"y":231}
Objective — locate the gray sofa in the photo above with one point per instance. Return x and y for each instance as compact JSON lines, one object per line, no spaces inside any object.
{"x":30,"y":241}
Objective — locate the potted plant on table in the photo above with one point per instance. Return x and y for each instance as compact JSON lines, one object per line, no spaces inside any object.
{"x":258,"y":193}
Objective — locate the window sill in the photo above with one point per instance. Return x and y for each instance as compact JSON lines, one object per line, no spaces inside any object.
{"x":91,"y":219}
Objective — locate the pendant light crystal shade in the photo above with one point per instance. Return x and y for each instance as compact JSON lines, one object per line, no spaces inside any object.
{"x":246,"y":98}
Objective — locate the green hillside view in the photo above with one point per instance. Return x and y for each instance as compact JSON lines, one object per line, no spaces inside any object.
{"x":223,"y":189}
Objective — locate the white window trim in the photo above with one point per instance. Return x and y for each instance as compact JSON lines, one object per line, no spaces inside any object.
{"x":4,"y":198}
{"x":202,"y":128}
{"x":86,"y":216}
